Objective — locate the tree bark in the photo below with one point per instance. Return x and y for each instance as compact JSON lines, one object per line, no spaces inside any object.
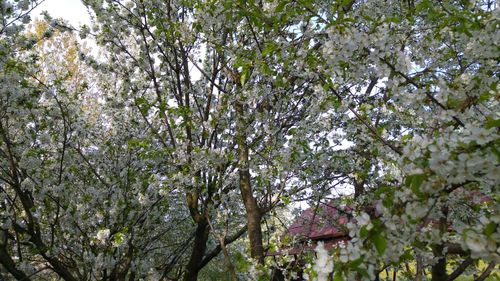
{"x":214,"y":252}
{"x":420,"y":268}
{"x":251,"y":206}
{"x":198,"y":251}
{"x":7,"y":262}
{"x":227,"y":258}
{"x":460,"y":269}
{"x":438,"y":270}
{"x":486,"y":272}
{"x":358,"y":188}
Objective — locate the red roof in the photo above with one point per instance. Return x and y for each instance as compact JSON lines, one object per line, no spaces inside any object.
{"x":297,"y":250}
{"x":325,"y":222}
{"x":320,"y":222}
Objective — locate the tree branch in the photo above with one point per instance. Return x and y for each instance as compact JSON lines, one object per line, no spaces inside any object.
{"x":460,"y":269}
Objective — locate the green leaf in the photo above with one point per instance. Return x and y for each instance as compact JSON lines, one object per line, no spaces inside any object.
{"x":244,"y":75}
{"x":286,"y":200}
{"x":382,"y":190}
{"x":492,"y":123}
{"x":338,"y":276}
{"x":363,"y":232}
{"x":118,"y":238}
{"x":414,"y":182}
{"x":490,"y":229}
{"x":484,"y":97}
{"x":406,"y":137}
{"x":497,"y":153}
{"x":380,"y":243}
{"x":363,"y":272}
{"x":280,"y":7}
{"x":356,"y":263}
{"x":269,"y":48}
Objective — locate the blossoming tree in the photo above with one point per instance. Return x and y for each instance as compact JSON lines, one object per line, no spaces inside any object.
{"x":199,"y":120}
{"x":418,"y":86}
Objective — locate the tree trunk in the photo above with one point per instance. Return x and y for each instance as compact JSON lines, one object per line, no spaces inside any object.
{"x":199,"y":248}
{"x":420,"y":268}
{"x":227,"y":258}
{"x":251,"y":207}
{"x":438,"y":270}
{"x":253,"y":217}
{"x":7,"y":262}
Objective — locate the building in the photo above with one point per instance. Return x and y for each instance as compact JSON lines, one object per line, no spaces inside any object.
{"x":325,"y":222}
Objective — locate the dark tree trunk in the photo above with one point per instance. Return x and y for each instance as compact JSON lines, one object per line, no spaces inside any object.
{"x":438,"y":270}
{"x":198,"y":251}
{"x":7,"y":262}
{"x":358,"y":188}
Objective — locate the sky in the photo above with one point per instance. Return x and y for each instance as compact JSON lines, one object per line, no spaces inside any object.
{"x":71,"y":10}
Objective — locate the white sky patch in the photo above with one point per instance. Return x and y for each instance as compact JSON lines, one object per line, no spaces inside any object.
{"x":71,"y":10}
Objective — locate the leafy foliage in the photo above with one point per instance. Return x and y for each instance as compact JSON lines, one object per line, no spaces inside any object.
{"x":200,"y":121}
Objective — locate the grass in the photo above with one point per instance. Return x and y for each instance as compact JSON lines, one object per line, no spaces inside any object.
{"x":494,"y":276}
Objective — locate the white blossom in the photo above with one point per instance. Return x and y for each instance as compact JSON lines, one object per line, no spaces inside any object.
{"x":102,"y":235}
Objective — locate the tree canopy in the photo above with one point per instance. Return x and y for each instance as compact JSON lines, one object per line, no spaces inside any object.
{"x":176,"y":143}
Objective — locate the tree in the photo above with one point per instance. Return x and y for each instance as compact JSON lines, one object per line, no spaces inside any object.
{"x":78,"y":202}
{"x":199,"y":120}
{"x":420,"y":99}
{"x":232,"y":118}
